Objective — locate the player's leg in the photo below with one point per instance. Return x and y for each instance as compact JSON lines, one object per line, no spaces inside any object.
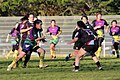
{"x":100,"y":40}
{"x":92,"y":53}
{"x":15,"y":47}
{"x":27,"y":58}
{"x":69,"y":56}
{"x":52,"y":50}
{"x":41,"y":53}
{"x":27,"y":48}
{"x":8,"y":54}
{"x":97,"y":62}
{"x":21,"y":55}
{"x":116,"y":49}
{"x":79,"y":55}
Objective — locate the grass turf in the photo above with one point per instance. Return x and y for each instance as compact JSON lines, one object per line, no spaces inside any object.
{"x":60,"y":70}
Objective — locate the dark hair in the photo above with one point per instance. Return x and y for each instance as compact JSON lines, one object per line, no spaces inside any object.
{"x":24,"y":18}
{"x":98,"y":13}
{"x":84,"y":16}
{"x":114,"y":21}
{"x":81,"y":24}
{"x":37,"y":21}
{"x":53,"y":20}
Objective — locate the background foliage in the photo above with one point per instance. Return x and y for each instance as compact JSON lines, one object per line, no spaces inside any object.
{"x":58,"y":7}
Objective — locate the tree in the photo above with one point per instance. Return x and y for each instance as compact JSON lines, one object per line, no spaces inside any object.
{"x":58,"y":7}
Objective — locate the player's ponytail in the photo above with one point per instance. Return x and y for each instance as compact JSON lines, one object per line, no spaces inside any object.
{"x":80,"y":24}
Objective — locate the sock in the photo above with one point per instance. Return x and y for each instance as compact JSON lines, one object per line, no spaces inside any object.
{"x":74,"y":63}
{"x":27,"y":58}
{"x":15,"y":65}
{"x":14,"y":62}
{"x":76,"y":67}
{"x":98,"y":52}
{"x":51,"y":51}
{"x":71,"y":55}
{"x":41,"y":58}
{"x":98,"y":64}
{"x":15,"y":53}
{"x":54,"y":53}
{"x":117,"y":52}
{"x":8,"y":55}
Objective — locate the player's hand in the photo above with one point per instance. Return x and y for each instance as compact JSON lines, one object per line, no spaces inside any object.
{"x":69,"y":43}
{"x":30,"y":27}
{"x":48,"y":33}
{"x":113,"y":33}
{"x":97,"y":27}
{"x":6,"y":40}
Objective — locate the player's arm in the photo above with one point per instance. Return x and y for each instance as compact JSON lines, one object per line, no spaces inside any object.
{"x":59,"y":31}
{"x":40,"y":38}
{"x":110,"y":32}
{"x":48,"y":32}
{"x":76,"y":36}
{"x":107,"y":27}
{"x":7,"y":39}
{"x":96,"y":27}
{"x":12,"y":30}
{"x":73,"y":41}
{"x":25,"y":30}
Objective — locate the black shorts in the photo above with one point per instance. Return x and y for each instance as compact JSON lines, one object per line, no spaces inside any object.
{"x":15,"y":47}
{"x":77,"y":46}
{"x":91,"y":48}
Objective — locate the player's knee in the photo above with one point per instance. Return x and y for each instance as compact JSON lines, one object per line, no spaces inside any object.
{"x":21,"y":55}
{"x":92,"y":54}
{"x":41,"y":51}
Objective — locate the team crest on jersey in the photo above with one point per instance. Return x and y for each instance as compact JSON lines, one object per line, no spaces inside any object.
{"x":27,"y":46}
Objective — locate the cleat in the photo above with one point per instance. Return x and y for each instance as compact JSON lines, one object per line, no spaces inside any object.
{"x":51,"y":57}
{"x":113,"y":52}
{"x":67,"y":57}
{"x":118,"y":56}
{"x":6,"y":57}
{"x":43,"y":66}
{"x":75,"y":70}
{"x":9,"y":68}
{"x":73,"y":64}
{"x":54,"y":57}
{"x":24,"y":66}
{"x":100,"y":68}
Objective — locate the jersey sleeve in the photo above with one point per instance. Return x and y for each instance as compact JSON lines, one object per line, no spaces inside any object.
{"x":48,"y":29}
{"x":77,"y":35}
{"x":106,"y":24}
{"x":110,"y":32}
{"x":93,"y":23}
{"x":91,"y":28}
{"x":58,"y":28}
{"x":73,"y":34}
{"x":12,"y":30}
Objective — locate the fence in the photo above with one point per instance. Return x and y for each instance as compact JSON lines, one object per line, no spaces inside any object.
{"x":67,"y":24}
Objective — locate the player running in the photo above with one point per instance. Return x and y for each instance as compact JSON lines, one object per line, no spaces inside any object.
{"x":31,"y":44}
{"x":89,"y":44}
{"x":99,"y":26}
{"x":29,"y":24}
{"x":84,"y":18}
{"x":54,"y":31}
{"x":115,"y":33}
{"x":15,"y":38}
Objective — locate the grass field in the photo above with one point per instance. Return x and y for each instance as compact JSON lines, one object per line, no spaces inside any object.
{"x":60,"y":70}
